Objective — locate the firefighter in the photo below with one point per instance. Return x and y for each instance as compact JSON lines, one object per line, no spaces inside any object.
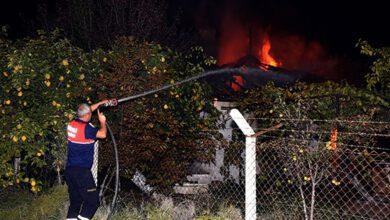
{"x":82,"y":135}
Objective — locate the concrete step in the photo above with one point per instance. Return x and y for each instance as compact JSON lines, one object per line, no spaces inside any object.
{"x":200,"y":178}
{"x":190,"y":188}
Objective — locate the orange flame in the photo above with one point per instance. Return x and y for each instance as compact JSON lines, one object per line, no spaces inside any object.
{"x":333,"y":139}
{"x":237,"y":84}
{"x":264,"y":55}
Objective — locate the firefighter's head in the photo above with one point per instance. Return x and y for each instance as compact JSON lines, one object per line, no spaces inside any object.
{"x":84,"y":112}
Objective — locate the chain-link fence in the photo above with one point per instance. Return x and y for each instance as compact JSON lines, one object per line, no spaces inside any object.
{"x":301,"y":171}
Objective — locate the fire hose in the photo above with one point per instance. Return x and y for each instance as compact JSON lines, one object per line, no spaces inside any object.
{"x":267,"y":75}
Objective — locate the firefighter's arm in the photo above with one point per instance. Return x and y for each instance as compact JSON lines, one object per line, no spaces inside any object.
{"x":96,"y":105}
{"x":102,"y":132}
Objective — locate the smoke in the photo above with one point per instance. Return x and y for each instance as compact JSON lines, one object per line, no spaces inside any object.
{"x":241,"y":30}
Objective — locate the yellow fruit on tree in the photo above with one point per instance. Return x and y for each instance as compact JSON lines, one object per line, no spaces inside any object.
{"x":81,"y":77}
{"x":65,"y":62}
{"x":15,"y":139}
{"x":24,"y":138}
{"x":61,"y":78}
{"x":19,"y":126}
{"x":20,"y":93}
{"x":5,"y":74}
{"x":8,"y":102}
{"x":165,"y":106}
{"x":47,"y":76}
{"x":39,"y":154}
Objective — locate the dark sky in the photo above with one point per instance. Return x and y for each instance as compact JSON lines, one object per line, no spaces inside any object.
{"x":336,"y":24}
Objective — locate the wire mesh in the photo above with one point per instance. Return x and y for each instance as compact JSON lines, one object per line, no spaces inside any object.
{"x":303,"y":172}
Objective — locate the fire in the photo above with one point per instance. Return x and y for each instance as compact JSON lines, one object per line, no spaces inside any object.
{"x":237,"y":84}
{"x":265,"y":56}
{"x":333,"y":139}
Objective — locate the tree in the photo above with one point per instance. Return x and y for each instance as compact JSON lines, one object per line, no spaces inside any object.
{"x":43,"y":80}
{"x":163,"y":134}
{"x":305,"y":147}
{"x":378,"y":79}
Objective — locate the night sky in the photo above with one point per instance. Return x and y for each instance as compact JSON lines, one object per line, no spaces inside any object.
{"x":337,"y":25}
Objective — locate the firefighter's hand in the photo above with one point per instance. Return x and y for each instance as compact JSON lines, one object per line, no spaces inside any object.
{"x":101,"y":117}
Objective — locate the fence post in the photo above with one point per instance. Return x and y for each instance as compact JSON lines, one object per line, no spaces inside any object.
{"x":250,"y":164}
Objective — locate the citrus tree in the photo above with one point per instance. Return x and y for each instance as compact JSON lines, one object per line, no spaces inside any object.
{"x":317,"y":123}
{"x":42,"y":81}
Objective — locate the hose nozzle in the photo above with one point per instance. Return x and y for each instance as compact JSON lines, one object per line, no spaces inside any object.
{"x":110,"y":103}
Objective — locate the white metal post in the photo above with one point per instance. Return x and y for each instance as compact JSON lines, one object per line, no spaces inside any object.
{"x":250,"y":164}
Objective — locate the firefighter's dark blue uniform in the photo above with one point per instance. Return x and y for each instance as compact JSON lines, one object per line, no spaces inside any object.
{"x":83,"y":194}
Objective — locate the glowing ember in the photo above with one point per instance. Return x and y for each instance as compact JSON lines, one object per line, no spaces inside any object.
{"x":237,"y":84}
{"x":333,"y":139}
{"x":264,"y":55}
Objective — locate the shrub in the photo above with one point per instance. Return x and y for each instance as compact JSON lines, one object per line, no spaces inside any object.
{"x":161,"y":134}
{"x":43,"y":79}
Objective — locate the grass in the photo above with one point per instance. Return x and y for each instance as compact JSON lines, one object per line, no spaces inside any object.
{"x":52,"y":204}
{"x":20,"y":204}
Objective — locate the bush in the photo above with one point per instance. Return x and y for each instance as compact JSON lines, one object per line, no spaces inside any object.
{"x":43,"y":79}
{"x":161,"y":134}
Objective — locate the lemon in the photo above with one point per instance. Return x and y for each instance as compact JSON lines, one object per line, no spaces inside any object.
{"x":61,"y":78}
{"x":162,"y":59}
{"x":65,"y":62}
{"x":67,"y":94}
{"x":48,"y":83}
{"x":81,"y":77}
{"x":24,"y":138}
{"x":32,"y":182}
{"x":20,"y":93}
{"x":47,"y":76}
{"x":26,"y":179}
{"x":165,"y":106}
{"x":25,"y":103}
{"x":39,"y":154}
{"x":27,"y":82}
{"x":5,"y":74}
{"x":15,"y":139}
{"x":104,"y":59}
{"x":54,"y":103}
{"x":19,"y":126}
{"x":7,"y":102}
